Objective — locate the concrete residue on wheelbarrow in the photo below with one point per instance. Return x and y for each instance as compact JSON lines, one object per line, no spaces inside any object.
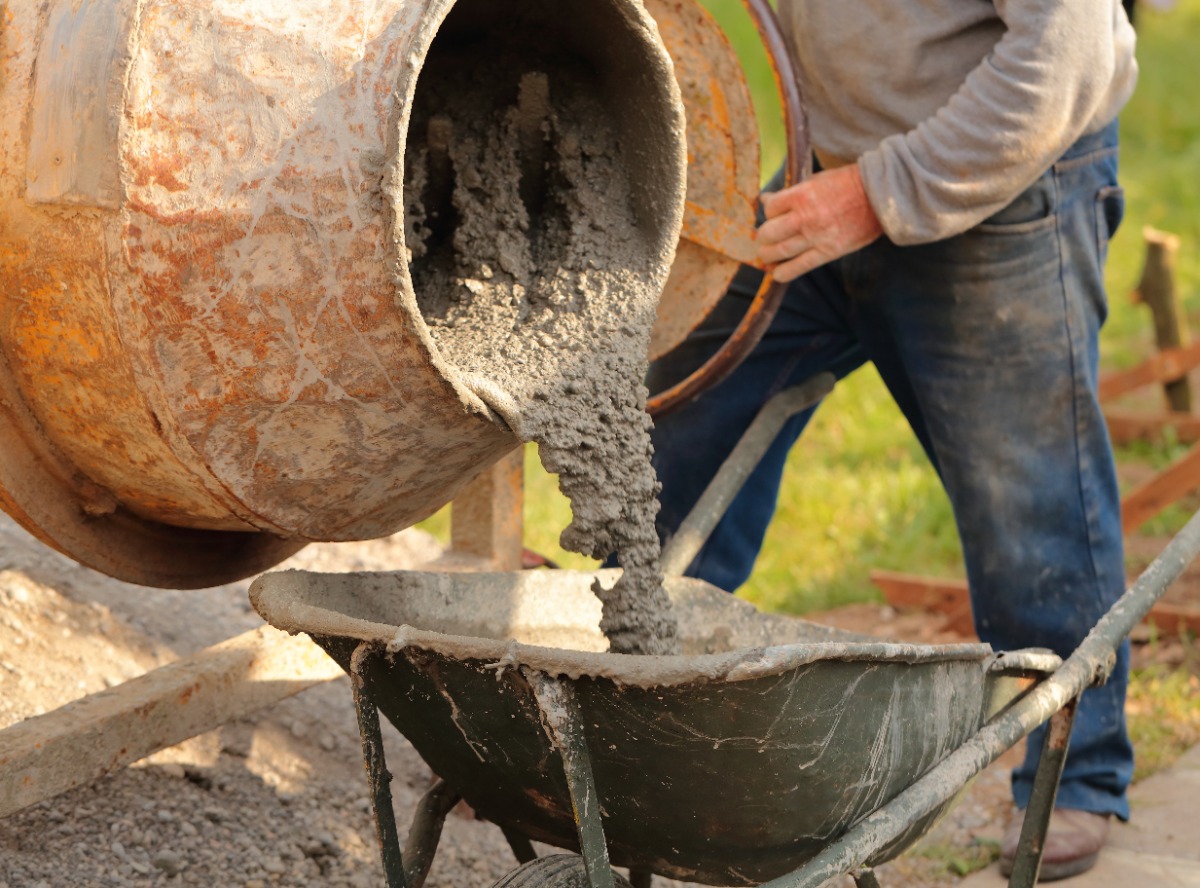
{"x":537,"y":285}
{"x":798,"y":730}
{"x":550,"y":621}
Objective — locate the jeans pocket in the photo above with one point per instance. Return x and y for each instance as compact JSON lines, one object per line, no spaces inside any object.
{"x":1033,"y":210}
{"x":1110,"y":210}
{"x":1031,"y":226}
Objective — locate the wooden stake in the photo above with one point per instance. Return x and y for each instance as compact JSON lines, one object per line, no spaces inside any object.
{"x":1157,"y":291}
{"x":487,"y":519}
{"x":1168,"y":486}
{"x":951,"y":598}
{"x":1125,"y":427}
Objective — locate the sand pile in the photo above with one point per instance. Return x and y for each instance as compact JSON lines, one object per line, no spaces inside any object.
{"x":532,"y":277}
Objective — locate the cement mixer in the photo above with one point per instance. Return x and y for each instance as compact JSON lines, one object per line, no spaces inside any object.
{"x":213,"y":350}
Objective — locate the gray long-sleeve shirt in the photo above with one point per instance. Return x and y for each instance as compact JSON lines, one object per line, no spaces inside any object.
{"x":951,"y":108}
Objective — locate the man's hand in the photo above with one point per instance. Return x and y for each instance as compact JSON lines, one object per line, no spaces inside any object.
{"x":815,"y":222}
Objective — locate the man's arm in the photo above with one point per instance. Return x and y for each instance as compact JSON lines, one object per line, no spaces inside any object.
{"x":1017,"y":112}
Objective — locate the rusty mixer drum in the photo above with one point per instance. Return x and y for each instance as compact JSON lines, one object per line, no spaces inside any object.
{"x":211,"y":351}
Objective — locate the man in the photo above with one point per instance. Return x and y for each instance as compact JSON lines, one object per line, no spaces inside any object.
{"x":955,"y":237}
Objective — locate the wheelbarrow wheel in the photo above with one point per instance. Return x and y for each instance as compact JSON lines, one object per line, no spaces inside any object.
{"x":557,"y":871}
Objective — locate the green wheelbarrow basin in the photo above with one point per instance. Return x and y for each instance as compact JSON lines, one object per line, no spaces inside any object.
{"x":732,"y":764}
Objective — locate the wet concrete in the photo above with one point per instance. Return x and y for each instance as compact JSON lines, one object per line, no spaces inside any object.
{"x":540,"y":288}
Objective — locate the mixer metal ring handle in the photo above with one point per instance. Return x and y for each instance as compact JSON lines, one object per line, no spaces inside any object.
{"x":797,"y":168}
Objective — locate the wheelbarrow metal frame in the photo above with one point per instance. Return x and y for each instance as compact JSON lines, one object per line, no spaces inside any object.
{"x":1053,"y":699}
{"x":560,"y":715}
{"x":1091,"y":664}
{"x":556,"y":699}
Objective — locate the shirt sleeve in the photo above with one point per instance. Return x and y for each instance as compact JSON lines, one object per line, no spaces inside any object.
{"x":1048,"y":78}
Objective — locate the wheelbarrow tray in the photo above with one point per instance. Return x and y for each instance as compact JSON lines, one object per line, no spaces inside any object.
{"x":731,"y":764}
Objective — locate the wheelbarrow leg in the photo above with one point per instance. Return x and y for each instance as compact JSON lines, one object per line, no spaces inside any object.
{"x":522,"y":848}
{"x":641,"y":878}
{"x":1028,"y":862}
{"x":560,"y":713}
{"x":428,"y":820}
{"x":865,"y":879}
{"x":377,"y":775}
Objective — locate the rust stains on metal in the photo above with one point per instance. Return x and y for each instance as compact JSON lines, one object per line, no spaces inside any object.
{"x":796,"y":167}
{"x":723,"y":168}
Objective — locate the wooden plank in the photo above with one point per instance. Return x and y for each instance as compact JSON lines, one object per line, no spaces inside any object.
{"x":951,"y":597}
{"x":47,"y":755}
{"x":926,"y":593}
{"x":1166,"y":366}
{"x":1125,"y":427}
{"x":1168,"y":486}
{"x":943,"y":596}
{"x":1172,"y":619}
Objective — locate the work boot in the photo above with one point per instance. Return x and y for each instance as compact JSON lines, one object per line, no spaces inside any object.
{"x":1073,"y":843}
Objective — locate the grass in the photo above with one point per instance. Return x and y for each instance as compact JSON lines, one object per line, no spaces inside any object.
{"x":959,"y":860}
{"x":1163,"y":703}
{"x":1163,"y":711}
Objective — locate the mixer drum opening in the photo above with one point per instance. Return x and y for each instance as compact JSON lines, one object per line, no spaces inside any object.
{"x":534,"y":136}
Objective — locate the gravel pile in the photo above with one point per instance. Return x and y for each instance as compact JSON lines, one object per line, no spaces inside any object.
{"x":277,"y":799}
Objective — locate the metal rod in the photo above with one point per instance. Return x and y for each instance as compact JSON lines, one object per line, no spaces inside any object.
{"x":1032,"y":845}
{"x":377,"y":773}
{"x":685,"y":545}
{"x":1093,"y":660}
{"x":560,"y":714}
{"x":426,"y":831}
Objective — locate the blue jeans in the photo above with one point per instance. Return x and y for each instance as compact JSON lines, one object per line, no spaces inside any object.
{"x":988,"y":342}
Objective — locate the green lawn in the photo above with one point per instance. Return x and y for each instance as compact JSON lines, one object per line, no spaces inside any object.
{"x":859,"y":493}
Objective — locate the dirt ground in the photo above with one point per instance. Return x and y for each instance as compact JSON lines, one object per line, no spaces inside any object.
{"x":280,"y":798}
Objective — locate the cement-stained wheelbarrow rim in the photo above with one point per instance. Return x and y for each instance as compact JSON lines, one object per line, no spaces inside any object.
{"x":727,"y":768}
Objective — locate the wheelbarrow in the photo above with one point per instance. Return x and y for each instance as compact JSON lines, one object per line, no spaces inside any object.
{"x":771,"y":752}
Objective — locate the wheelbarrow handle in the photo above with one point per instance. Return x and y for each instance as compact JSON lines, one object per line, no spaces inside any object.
{"x":1091,"y":663}
{"x":695,"y":530}
{"x":797,"y":168}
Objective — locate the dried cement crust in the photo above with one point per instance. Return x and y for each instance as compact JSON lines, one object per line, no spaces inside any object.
{"x":548,"y":621}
